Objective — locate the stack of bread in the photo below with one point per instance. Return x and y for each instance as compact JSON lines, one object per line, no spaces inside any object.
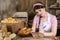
{"x":9,"y":20}
{"x":7,"y":36}
{"x":12,"y":24}
{"x":25,"y":31}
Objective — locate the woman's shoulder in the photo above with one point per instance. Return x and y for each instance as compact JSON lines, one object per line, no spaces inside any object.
{"x":36,"y":16}
{"x":53,"y":20}
{"x":53,"y":16}
{"x":35,"y":19}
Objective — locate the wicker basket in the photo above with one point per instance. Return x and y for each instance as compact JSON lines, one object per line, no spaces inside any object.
{"x":14,"y":27}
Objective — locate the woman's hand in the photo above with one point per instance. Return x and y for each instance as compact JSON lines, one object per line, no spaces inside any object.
{"x":35,"y":35}
{"x":41,"y":32}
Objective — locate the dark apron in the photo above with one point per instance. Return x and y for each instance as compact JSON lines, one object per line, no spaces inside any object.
{"x":37,"y":29}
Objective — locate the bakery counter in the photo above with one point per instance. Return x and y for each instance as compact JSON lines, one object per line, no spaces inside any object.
{"x":31,"y":38}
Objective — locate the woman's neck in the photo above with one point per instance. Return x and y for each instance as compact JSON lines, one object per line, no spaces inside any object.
{"x":45,"y":15}
{"x":44,"y":18}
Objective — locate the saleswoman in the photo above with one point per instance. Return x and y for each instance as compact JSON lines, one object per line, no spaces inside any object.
{"x":44,"y":21}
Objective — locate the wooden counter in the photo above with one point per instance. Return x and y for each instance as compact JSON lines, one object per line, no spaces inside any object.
{"x":31,"y":38}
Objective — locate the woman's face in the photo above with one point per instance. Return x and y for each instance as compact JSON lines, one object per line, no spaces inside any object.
{"x":40,"y":12}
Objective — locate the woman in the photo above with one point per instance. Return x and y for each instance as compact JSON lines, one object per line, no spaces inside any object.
{"x":46,"y":22}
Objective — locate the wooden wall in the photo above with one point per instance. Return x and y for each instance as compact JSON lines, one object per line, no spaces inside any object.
{"x":26,"y":5}
{"x":8,"y":7}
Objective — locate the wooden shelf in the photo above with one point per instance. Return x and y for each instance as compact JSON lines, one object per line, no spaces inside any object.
{"x":56,"y":8}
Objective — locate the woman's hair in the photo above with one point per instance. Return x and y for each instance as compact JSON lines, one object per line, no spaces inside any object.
{"x":38,"y":5}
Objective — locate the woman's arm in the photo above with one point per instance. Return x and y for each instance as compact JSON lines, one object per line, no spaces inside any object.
{"x":33,"y":27}
{"x":34,"y":34}
{"x":53,"y":29}
{"x":52,"y":33}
